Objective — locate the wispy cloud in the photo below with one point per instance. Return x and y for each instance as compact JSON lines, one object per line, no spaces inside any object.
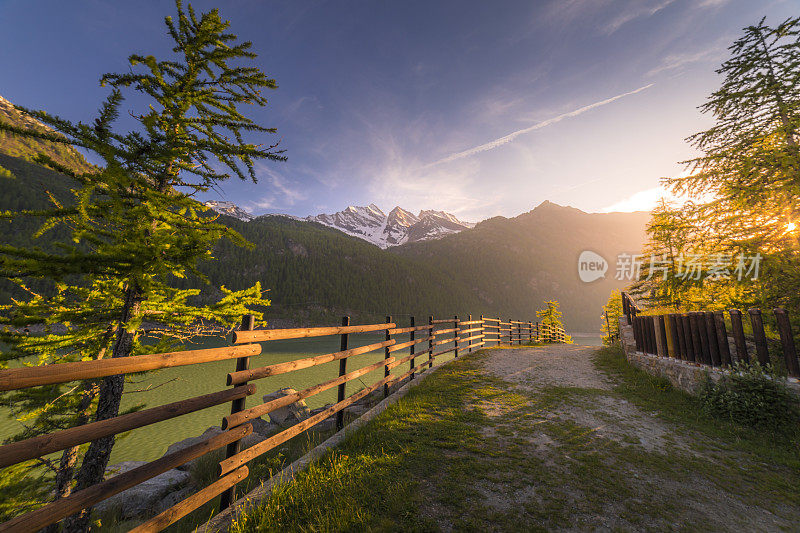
{"x":282,"y":194}
{"x":511,"y":136}
{"x":634,"y":11}
{"x":678,"y":61}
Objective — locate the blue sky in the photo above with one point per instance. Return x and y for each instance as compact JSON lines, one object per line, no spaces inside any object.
{"x":477,"y":108}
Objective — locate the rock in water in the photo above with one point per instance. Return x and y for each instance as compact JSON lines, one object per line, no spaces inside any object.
{"x":292,"y":413}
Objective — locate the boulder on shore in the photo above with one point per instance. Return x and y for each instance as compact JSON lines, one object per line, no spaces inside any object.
{"x":143,"y":498}
{"x":290,"y":414}
{"x":250,"y":440}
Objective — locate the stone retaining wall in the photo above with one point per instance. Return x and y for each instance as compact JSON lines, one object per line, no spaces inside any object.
{"x":682,"y":374}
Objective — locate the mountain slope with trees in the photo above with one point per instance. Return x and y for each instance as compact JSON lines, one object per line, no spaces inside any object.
{"x":515,"y":264}
{"x":314,"y":273}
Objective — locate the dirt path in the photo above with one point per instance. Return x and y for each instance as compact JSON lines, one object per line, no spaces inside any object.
{"x":611,"y":464}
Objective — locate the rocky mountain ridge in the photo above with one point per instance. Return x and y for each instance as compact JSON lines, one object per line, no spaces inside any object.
{"x":398,"y":227}
{"x":370,"y":223}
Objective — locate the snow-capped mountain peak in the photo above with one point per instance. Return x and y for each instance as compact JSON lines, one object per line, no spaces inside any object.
{"x":230,"y":209}
{"x":398,"y":227}
{"x":401,"y":217}
{"x":370,"y":223}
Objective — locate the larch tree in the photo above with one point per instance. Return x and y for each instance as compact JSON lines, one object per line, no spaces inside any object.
{"x":551,"y":316}
{"x":136,"y":227}
{"x":750,"y":162}
{"x":612,"y":312}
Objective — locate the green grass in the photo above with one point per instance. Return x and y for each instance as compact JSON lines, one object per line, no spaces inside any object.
{"x":468,"y":451}
{"x":656,"y":394}
{"x":204,"y":472}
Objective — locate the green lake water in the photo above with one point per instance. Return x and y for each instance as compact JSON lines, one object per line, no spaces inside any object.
{"x":173,"y":384}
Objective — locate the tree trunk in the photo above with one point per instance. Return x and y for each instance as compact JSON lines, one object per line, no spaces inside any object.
{"x":96,"y":459}
{"x":779,"y":102}
{"x":66,"y":467}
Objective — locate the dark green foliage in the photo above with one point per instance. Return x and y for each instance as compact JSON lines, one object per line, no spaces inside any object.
{"x":317,"y":274}
{"x":132,"y":227}
{"x":752,"y":396}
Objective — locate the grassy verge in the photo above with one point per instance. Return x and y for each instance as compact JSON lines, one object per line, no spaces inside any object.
{"x":414,"y":456}
{"x":204,"y":472}
{"x":470,"y":452}
{"x":656,"y":395}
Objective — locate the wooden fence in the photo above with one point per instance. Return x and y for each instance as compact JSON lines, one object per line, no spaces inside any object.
{"x":701,"y":337}
{"x":434,"y":337}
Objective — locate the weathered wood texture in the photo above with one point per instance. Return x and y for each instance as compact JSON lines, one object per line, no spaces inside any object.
{"x":242,"y":417}
{"x":34,"y":376}
{"x":261,"y":335}
{"x":184,"y":507}
{"x":232,"y":463}
{"x":19,"y":451}
{"x":56,"y":511}
{"x":701,"y":337}
{"x":232,"y":468}
{"x":299,"y":364}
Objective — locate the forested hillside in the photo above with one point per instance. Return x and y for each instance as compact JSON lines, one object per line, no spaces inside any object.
{"x":515,"y":264}
{"x":27,"y":186}
{"x":316,"y":273}
{"x":26,"y":148}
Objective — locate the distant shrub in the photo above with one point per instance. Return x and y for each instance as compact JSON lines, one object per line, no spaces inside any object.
{"x":662,"y":384}
{"x":753,"y":396}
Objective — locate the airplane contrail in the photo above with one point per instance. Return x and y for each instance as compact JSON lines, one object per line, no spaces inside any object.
{"x":511,"y":136}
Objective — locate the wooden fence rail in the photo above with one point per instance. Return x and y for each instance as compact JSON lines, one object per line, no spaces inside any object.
{"x":452,"y":334}
{"x":701,"y":337}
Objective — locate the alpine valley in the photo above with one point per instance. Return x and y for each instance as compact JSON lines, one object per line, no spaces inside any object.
{"x":367,"y":264}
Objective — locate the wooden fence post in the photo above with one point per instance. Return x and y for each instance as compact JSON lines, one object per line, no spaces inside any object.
{"x":411,"y":350}
{"x":455,"y":334}
{"x":787,"y":342}
{"x":342,"y":371}
{"x":696,"y":340}
{"x":626,"y":306}
{"x":722,"y":338}
{"x":469,"y":342}
{"x":713,"y":342}
{"x":430,"y":342}
{"x":688,"y":354}
{"x":386,"y":355}
{"x":242,"y":363}
{"x":705,"y":345}
{"x":675,"y":344}
{"x":483,"y":332}
{"x":760,"y":337}
{"x":738,"y":336}
{"x":681,"y":340}
{"x":658,"y":336}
